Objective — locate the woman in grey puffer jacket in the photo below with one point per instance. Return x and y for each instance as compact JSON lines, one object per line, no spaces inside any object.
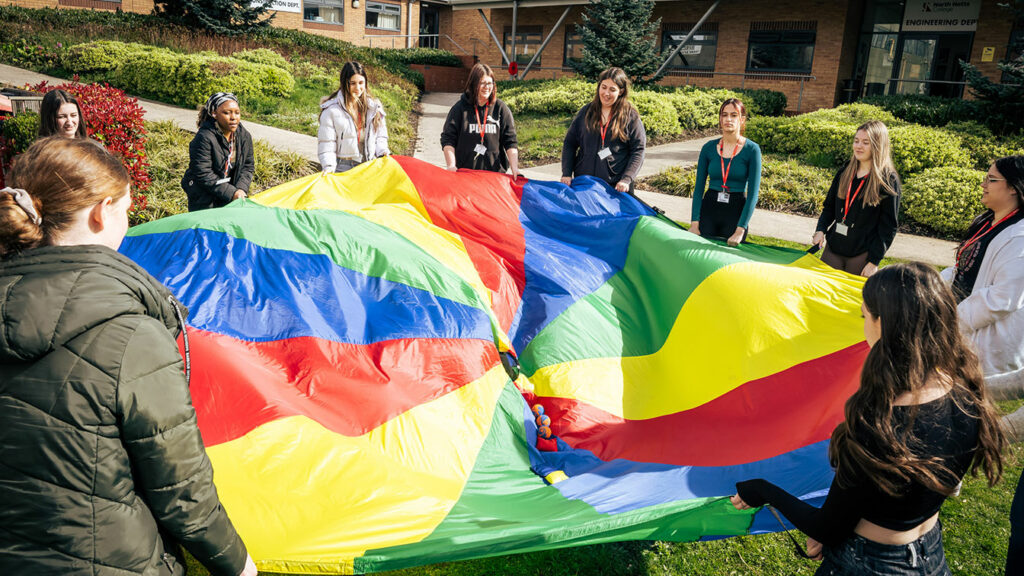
{"x":352,"y":127}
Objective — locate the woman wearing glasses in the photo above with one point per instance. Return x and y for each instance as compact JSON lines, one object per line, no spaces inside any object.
{"x":479,"y":132}
{"x":920,"y":420}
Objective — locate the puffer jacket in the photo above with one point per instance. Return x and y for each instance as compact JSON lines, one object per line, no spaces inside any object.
{"x":205,"y":182}
{"x":338,"y":139}
{"x":102,"y":468}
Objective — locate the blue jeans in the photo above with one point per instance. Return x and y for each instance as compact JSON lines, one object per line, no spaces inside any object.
{"x":858,"y":556}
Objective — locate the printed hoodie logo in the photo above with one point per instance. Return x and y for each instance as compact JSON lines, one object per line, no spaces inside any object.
{"x":492,"y":124}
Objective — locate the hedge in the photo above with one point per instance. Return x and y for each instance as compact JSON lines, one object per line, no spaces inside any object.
{"x":927,"y":110}
{"x":264,"y":56}
{"x":983,"y":146}
{"x":945,"y":199}
{"x":186,"y":79}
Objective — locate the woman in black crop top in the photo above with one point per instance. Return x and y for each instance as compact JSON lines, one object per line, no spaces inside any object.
{"x":919,"y":421}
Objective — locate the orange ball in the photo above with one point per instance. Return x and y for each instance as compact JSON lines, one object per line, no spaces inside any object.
{"x":544,"y":432}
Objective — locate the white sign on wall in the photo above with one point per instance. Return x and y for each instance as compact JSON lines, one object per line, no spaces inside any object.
{"x":286,"y":5}
{"x":951,"y":16}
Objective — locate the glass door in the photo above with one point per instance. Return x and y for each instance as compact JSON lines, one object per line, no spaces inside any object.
{"x":930,"y":64}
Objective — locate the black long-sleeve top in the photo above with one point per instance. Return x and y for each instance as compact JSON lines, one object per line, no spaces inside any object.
{"x":941,"y":429}
{"x":871,"y":228}
{"x":462,"y":132}
{"x":581,"y":145}
{"x":210,"y":181}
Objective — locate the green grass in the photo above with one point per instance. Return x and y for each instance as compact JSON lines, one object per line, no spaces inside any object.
{"x":540,"y":138}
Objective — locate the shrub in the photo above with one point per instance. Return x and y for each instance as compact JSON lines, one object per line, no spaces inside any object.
{"x":917,"y":148}
{"x":407,"y":56}
{"x":761,"y":102}
{"x":855,"y":114}
{"x":560,"y":97}
{"x":16,"y":134}
{"x":98,"y":56}
{"x":116,"y":121}
{"x":658,"y":119}
{"x":927,"y":110}
{"x":945,"y":199}
{"x":32,"y":54}
{"x":982,"y":145}
{"x":820,"y":142}
{"x":263,"y":56}
{"x":766,"y":130}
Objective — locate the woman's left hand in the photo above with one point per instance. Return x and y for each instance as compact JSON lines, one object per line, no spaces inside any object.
{"x":736,"y":237}
{"x":869,"y":269}
{"x":515,"y":173}
{"x":621,"y":186}
{"x":738,"y":502}
{"x":814,"y":549}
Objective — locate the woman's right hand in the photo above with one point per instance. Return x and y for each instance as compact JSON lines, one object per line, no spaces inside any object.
{"x":567,"y":180}
{"x":250,"y":567}
{"x":451,"y":168}
{"x":738,"y":502}
{"x":695,"y":227}
{"x":818,"y":239}
{"x":814,"y":549}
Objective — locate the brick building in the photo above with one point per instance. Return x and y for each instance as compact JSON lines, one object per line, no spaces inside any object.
{"x":819,"y":52}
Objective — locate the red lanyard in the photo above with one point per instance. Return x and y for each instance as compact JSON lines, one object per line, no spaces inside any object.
{"x":981,"y":234}
{"x":604,"y":130}
{"x":359,"y":128}
{"x":726,"y":168}
{"x":482,"y":126}
{"x":849,"y":200}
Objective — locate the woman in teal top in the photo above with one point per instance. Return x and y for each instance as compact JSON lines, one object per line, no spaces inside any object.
{"x":723,"y":206}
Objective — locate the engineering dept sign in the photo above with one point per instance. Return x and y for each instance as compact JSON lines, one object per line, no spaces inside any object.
{"x":953,"y":16}
{"x":283,"y":5}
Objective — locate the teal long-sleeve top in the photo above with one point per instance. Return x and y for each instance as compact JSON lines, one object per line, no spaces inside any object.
{"x":744,"y":176}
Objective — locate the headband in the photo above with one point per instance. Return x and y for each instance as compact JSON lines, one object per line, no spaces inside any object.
{"x":21,"y":198}
{"x":216,"y":100}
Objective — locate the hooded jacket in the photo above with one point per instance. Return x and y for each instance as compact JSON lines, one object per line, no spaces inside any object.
{"x":462,"y":132}
{"x":337,"y":137}
{"x":103,"y":467}
{"x":206,"y":183}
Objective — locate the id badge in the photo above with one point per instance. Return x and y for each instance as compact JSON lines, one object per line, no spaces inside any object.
{"x":480,"y":149}
{"x":723,"y":197}
{"x":222,"y":181}
{"x":604,"y":153}
{"x":841,"y":229}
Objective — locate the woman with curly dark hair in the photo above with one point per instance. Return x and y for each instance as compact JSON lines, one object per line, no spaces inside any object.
{"x":920,"y":420}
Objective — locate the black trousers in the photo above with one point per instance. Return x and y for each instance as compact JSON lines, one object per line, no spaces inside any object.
{"x":719,"y":219}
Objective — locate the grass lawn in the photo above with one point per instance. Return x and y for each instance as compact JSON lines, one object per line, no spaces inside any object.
{"x":540,"y":138}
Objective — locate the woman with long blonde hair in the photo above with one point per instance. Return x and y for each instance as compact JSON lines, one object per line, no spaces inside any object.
{"x":859,"y":218}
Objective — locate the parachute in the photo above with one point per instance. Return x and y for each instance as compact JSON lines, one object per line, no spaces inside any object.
{"x":353,"y":339}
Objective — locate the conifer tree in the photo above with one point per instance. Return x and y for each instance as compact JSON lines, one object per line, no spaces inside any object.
{"x":229,"y":17}
{"x":619,"y":33}
{"x":1005,"y":110}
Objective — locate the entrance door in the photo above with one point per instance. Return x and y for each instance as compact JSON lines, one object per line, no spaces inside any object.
{"x":928,"y":60}
{"x":430,"y":23}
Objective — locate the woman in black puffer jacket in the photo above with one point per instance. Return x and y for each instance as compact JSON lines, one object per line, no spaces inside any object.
{"x":221,"y":164}
{"x":104,"y":471}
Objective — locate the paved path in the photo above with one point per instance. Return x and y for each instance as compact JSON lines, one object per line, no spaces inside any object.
{"x":764,"y":223}
{"x":185,"y":118}
{"x":435,"y":108}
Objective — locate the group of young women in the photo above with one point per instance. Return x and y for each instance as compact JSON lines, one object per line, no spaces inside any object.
{"x":920,"y":420}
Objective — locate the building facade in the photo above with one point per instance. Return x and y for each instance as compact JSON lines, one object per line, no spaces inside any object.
{"x":818,"y":52}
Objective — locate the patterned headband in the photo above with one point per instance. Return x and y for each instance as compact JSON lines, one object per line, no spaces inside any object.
{"x":216,"y":100}
{"x":22,"y":199}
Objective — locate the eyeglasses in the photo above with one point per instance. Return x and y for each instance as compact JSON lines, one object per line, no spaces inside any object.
{"x":487,"y":83}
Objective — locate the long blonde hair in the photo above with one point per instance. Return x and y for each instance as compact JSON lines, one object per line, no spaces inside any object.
{"x":882,"y":169}
{"x":620,"y":116}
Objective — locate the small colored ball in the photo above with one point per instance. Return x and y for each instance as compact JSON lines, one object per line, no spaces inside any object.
{"x":543,"y":420}
{"x":544,"y":432}
{"x":537,"y":409}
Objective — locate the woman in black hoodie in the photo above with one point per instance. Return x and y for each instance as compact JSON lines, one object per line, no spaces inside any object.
{"x":220,"y":158}
{"x":479,"y":132}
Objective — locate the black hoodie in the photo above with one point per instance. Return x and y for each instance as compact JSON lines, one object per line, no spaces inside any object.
{"x":461,"y":131}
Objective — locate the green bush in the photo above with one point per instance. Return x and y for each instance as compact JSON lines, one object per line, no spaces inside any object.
{"x":927,"y":110}
{"x":820,"y":142}
{"x":918,"y":148}
{"x":786,"y":185}
{"x":407,"y":56}
{"x":766,"y":130}
{"x":983,"y":146}
{"x":763,"y":102}
{"x":658,"y":119}
{"x":20,"y":131}
{"x":855,"y":114}
{"x":97,"y":56}
{"x":263,"y":56}
{"x":560,"y":97}
{"x":945,"y":199}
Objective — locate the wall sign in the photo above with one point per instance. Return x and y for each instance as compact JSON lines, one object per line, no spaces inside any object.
{"x":950,"y":16}
{"x":285,"y":5}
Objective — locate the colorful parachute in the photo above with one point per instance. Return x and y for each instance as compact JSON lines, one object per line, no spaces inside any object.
{"x":345,"y":338}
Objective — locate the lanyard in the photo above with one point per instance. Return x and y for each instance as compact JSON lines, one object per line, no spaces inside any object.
{"x":482,"y":126}
{"x":231,"y":152}
{"x":604,"y":130}
{"x":359,"y":128}
{"x":726,"y":168}
{"x":981,"y":234}
{"x":849,"y":200}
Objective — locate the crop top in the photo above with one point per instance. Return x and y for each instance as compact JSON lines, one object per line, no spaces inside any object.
{"x":942,"y":430}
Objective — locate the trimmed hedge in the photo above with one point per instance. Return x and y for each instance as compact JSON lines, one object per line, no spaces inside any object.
{"x":918,"y":148}
{"x":983,"y":146}
{"x":927,"y":110}
{"x":264,"y":56}
{"x":945,"y":199}
{"x":186,"y":79}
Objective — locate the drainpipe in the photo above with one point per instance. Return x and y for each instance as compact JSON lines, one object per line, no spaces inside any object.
{"x":408,"y":28}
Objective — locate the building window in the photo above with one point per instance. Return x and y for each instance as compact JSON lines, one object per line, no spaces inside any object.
{"x":699,"y":52}
{"x":383,"y":16}
{"x":324,"y":11}
{"x":781,"y":46}
{"x":573,"y":47}
{"x":528,"y":41}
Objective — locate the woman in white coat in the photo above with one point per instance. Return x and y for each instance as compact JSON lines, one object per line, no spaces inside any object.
{"x":352,"y":127}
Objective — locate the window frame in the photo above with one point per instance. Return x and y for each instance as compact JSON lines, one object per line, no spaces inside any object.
{"x":795,"y":31}
{"x":706,"y":29}
{"x":339,"y":4}
{"x":523,"y":32}
{"x":385,"y":8}
{"x":570,"y":31}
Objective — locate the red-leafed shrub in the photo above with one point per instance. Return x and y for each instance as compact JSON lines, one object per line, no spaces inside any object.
{"x":116,"y":120}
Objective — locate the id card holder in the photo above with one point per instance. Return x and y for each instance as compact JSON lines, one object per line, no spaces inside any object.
{"x":480,"y":149}
{"x":842,"y":229}
{"x":723,"y":197}
{"x":604,"y":153}
{"x":222,"y":181}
